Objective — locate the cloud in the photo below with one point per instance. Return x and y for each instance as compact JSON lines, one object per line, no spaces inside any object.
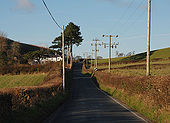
{"x":24,"y":5}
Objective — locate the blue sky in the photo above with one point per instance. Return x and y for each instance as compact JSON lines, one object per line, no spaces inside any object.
{"x":28,"y":21}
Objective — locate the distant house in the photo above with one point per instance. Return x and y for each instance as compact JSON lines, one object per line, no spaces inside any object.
{"x":50,"y":59}
{"x":46,"y":58}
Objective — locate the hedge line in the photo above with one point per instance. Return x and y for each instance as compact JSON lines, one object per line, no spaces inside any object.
{"x":18,"y":99}
{"x":27,"y":69}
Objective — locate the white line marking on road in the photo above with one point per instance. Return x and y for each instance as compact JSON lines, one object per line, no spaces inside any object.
{"x":119,"y":103}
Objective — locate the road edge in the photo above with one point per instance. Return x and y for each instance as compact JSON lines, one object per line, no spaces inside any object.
{"x":123,"y":105}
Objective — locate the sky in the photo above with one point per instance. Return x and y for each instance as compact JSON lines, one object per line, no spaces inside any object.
{"x":28,"y":21}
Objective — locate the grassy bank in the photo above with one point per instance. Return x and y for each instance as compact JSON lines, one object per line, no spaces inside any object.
{"x":11,"y":81}
{"x":144,"y":97}
{"x":136,"y":103}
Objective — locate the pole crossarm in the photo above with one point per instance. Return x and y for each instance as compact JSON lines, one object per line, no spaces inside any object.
{"x":110,"y":36}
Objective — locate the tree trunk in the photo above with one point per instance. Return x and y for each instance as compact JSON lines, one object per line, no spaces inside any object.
{"x":67,"y":54}
{"x":71,"y":56}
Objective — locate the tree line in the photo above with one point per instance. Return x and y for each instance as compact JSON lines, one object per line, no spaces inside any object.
{"x":9,"y":53}
{"x":12,"y":52}
{"x":72,"y":37}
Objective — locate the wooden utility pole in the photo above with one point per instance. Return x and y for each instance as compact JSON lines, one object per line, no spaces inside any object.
{"x":63,"y":58}
{"x":96,"y":52}
{"x":92,"y":59}
{"x":148,"y":39}
{"x":86,"y":58}
{"x":110,"y":40}
{"x":86,"y":55}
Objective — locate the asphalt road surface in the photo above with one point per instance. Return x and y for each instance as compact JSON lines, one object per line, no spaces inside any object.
{"x":88,"y":104}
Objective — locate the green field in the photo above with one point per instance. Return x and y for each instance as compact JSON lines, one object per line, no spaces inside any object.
{"x":162,"y":53}
{"x":11,"y":81}
{"x":156,"y":54}
{"x":136,"y":65}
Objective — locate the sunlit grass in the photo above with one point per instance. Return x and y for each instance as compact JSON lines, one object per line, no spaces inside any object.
{"x":136,"y":103}
{"x":11,"y":81}
{"x":162,"y":53}
{"x":141,"y":72}
{"x":139,"y":68}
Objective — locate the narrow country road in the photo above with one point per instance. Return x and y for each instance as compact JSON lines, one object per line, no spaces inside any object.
{"x":90,"y":105}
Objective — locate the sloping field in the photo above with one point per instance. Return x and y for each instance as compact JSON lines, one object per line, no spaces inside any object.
{"x":162,"y":53}
{"x":11,"y":81}
{"x":156,"y":54}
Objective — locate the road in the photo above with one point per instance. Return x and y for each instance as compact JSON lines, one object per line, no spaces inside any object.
{"x":88,"y":104}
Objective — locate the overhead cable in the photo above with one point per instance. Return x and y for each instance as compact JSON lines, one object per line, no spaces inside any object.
{"x":51,"y":14}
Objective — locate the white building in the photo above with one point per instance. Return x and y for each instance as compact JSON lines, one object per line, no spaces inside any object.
{"x":50,"y":59}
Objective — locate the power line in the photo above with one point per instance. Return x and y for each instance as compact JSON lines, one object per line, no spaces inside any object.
{"x":133,"y":23}
{"x":124,"y":13}
{"x":134,"y":12}
{"x":51,"y":14}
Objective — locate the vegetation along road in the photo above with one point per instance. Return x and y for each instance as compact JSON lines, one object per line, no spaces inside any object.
{"x":89,"y":104}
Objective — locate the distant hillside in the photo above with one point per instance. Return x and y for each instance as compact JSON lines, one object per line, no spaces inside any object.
{"x":162,"y":53}
{"x":25,"y":48}
{"x":156,"y":54}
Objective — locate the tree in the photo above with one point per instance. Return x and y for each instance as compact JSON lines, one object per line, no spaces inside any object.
{"x":99,"y":57}
{"x":119,"y":54}
{"x":78,"y":57}
{"x":57,"y":44}
{"x":130,"y":53}
{"x":73,"y":37}
{"x":3,"y":43}
{"x":3,"y":58}
{"x":15,"y":50}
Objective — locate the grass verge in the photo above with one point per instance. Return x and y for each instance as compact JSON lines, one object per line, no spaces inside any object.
{"x":133,"y":100}
{"x":136,"y":103}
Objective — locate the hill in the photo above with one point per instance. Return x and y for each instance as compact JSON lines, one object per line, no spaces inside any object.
{"x":161,"y":54}
{"x":155,"y":55}
{"x":24,"y":48}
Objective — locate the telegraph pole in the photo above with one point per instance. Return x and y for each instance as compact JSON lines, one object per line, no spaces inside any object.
{"x":86,"y":55}
{"x":96,"y":53}
{"x":63,"y":58}
{"x":148,"y":39}
{"x":110,"y":40}
{"x":92,"y":59}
